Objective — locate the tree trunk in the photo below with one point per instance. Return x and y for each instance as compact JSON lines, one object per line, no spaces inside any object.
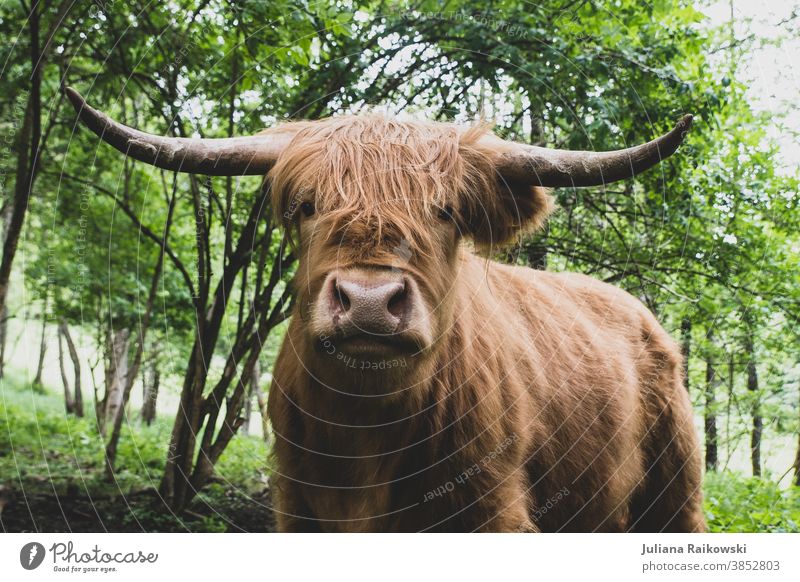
{"x":752,"y":387}
{"x":116,"y":372}
{"x":105,"y":339}
{"x":98,"y":404}
{"x":6,"y":220}
{"x":797,"y":464}
{"x":76,"y":364}
{"x":261,"y":398}
{"x":151,"y":392}
{"x":247,"y":412}
{"x":686,"y":346}
{"x":3,"y":339}
{"x":797,"y":455}
{"x":254,"y":390}
{"x":175,"y":483}
{"x":262,"y":406}
{"x":28,"y":142}
{"x":728,"y":439}
{"x":712,"y":381}
{"x":69,"y":403}
{"x":129,"y":378}
{"x":27,"y":153}
{"x":37,"y":381}
{"x":118,"y":399}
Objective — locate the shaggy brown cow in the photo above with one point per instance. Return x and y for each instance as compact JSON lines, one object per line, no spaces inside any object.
{"x":423,"y":388}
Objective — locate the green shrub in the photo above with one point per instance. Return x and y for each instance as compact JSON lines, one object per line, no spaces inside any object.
{"x":42,"y":447}
{"x":739,"y":504}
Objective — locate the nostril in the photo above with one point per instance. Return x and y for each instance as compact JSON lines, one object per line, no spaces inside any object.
{"x":368,"y":302}
{"x":398,"y":302}
{"x":341,"y":300}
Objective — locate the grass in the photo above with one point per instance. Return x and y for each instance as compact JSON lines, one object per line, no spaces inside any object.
{"x":54,"y":465}
{"x":43,"y":448}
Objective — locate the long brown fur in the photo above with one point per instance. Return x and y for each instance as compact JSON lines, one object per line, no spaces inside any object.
{"x":546,"y":402}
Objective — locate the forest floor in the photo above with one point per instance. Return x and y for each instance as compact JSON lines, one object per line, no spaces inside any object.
{"x":51,"y":480}
{"x":140,"y":511}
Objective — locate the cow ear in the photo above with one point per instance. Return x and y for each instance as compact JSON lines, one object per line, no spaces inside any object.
{"x":500,"y":215}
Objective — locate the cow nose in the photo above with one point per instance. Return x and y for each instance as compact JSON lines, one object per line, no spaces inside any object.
{"x":376,"y":307}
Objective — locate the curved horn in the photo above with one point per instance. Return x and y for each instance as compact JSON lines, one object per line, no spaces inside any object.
{"x":553,"y":168}
{"x":232,"y":156}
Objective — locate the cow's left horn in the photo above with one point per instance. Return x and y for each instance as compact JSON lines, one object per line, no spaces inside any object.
{"x":553,"y":168}
{"x":232,"y":156}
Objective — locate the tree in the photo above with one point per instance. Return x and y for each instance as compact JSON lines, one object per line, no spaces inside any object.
{"x":29,"y":138}
{"x":752,"y":387}
{"x":710,"y":413}
{"x":69,"y":400}
{"x":797,"y":455}
{"x":77,"y":404}
{"x":151,"y":383}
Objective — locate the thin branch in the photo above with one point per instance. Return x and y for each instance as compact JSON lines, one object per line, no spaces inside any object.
{"x":135,"y":219}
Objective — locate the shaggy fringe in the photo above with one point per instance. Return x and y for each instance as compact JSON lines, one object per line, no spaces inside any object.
{"x":382,"y":177}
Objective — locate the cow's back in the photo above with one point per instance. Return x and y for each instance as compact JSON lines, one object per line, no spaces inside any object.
{"x":601,"y":374}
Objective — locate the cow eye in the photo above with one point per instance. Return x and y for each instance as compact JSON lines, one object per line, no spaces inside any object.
{"x":308,"y":208}
{"x":446,"y":213}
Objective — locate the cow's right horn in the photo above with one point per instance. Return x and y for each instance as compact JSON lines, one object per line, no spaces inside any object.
{"x":232,"y":156}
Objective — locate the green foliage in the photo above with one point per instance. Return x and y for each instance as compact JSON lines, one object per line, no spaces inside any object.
{"x":736,"y":504}
{"x":244,"y":465}
{"x":42,"y":449}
